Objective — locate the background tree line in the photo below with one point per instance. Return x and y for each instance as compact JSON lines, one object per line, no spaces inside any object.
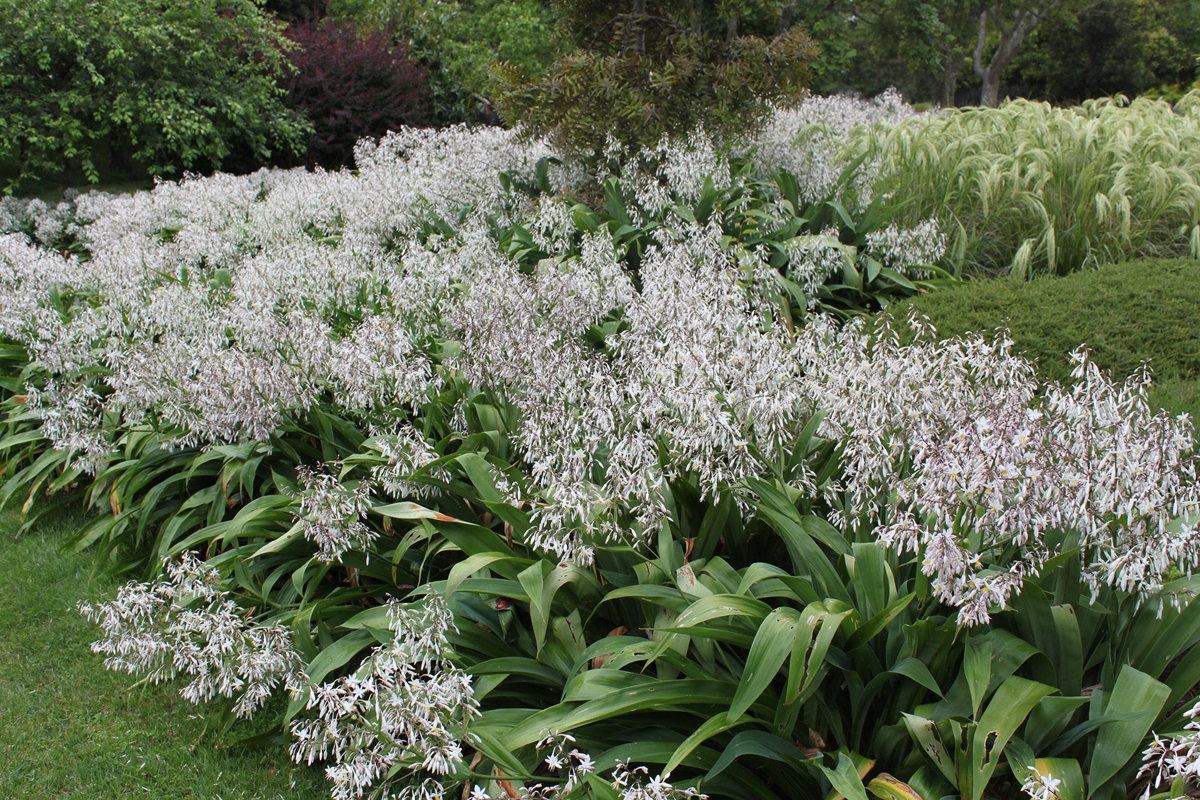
{"x":135,"y":86}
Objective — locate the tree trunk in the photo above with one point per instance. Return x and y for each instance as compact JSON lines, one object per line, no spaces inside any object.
{"x":949,"y":83}
{"x":697,"y":19}
{"x":1024,"y":20}
{"x":635,"y":34}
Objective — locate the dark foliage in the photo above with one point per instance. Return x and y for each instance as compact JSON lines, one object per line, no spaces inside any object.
{"x":294,"y":10}
{"x":649,"y":69}
{"x":352,"y":84}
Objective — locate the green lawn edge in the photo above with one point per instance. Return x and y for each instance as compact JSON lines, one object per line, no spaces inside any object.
{"x":70,"y":728}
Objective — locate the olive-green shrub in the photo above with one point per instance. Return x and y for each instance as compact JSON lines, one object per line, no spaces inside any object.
{"x":1126,"y":313}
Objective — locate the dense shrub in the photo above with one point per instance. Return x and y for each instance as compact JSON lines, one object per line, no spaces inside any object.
{"x":459,"y":41}
{"x":164,"y":85}
{"x":1125,"y":313}
{"x":352,"y":84}
{"x":645,"y":71}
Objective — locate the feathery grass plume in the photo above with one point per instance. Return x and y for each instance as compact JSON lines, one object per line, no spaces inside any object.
{"x":1038,"y":189}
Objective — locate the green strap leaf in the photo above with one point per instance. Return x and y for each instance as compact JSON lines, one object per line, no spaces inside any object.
{"x":771,"y":647}
{"x":1135,"y":692}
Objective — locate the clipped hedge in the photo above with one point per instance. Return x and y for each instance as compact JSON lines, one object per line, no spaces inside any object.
{"x":1125,"y":313}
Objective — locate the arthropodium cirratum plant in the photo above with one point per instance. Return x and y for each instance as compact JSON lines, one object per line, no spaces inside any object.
{"x":664,"y":430}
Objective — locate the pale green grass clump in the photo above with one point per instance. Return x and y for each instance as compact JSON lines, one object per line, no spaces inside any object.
{"x":1030,"y":188}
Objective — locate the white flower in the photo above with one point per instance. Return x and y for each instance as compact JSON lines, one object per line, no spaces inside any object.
{"x":184,"y":625}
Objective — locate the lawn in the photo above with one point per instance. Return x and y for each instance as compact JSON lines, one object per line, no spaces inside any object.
{"x":69,"y":728}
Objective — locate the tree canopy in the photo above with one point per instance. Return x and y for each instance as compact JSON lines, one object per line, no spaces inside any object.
{"x":167,"y":84}
{"x":648,"y":68}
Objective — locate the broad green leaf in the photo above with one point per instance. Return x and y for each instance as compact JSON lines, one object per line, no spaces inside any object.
{"x":279,"y":543}
{"x":1066,"y":770}
{"x":660,"y":696}
{"x":915,"y":670}
{"x":411,"y":511}
{"x":772,"y":645}
{"x":718,"y":723}
{"x":1006,"y":711}
{"x":1135,"y":692}
{"x":763,"y":745}
{"x":533,"y":581}
{"x":978,"y":669}
{"x":846,"y":779}
{"x":717,"y":606}
{"x":889,"y":787}
{"x":472,"y":564}
{"x":925,"y":734}
{"x":337,"y":654}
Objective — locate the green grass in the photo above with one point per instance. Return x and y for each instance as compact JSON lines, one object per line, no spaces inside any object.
{"x":1125,"y":313}
{"x":69,"y":728}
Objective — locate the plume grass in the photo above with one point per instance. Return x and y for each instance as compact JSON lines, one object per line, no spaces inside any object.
{"x":1034,"y":189}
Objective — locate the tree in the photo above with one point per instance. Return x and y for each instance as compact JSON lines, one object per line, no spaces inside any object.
{"x":937,"y":36}
{"x":645,"y":69}
{"x":932,"y":39}
{"x":168,"y":84}
{"x":1012,"y":22}
{"x":1110,"y":47}
{"x":458,"y":40}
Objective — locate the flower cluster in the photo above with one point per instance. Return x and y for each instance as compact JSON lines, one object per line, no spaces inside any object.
{"x":810,"y":141}
{"x":1172,"y":757}
{"x":184,"y":625}
{"x":1041,"y":787}
{"x":974,"y":452}
{"x":813,"y":259}
{"x":403,"y":455}
{"x":909,"y":249}
{"x":52,"y":226}
{"x":395,"y":726}
{"x":697,"y":371}
{"x":637,"y":784}
{"x":331,"y":513}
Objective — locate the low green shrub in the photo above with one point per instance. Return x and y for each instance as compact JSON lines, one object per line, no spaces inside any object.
{"x":1125,"y":313}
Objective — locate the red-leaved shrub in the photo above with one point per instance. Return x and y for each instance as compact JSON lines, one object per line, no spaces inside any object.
{"x":352,"y":84}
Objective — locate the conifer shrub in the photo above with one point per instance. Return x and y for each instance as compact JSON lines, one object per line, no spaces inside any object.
{"x":645,"y":71}
{"x":1125,"y":313}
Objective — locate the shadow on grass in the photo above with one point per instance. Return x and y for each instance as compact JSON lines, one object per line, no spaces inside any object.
{"x":69,"y":728}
